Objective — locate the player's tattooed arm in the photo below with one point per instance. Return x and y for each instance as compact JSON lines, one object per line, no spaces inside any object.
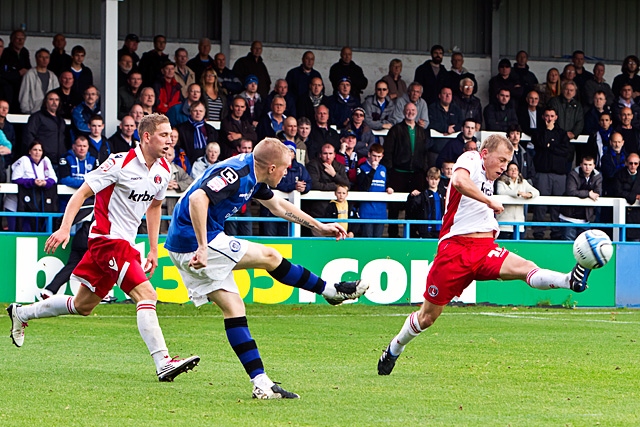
{"x":295,"y":218}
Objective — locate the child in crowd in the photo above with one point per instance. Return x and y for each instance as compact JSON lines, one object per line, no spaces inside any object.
{"x":426,"y":205}
{"x":339,"y":208}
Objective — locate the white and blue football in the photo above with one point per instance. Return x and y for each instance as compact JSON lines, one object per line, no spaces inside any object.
{"x":592,"y":249}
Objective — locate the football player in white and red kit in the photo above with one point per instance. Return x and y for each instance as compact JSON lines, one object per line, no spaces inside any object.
{"x":126,"y":186}
{"x":467,"y":250}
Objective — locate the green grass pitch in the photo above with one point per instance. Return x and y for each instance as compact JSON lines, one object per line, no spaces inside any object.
{"x":476,"y":366}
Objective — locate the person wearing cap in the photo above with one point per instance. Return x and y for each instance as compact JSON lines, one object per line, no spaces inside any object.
{"x":168,"y":90}
{"x":345,"y":67}
{"x":129,"y":47}
{"x":350,"y":155}
{"x":342,"y":103}
{"x":252,"y":64}
{"x":431,"y":75}
{"x":152,"y":61}
{"x":273,"y":122}
{"x":253,"y":98}
{"x":505,"y":79}
{"x":362,"y":131}
{"x":297,"y":179}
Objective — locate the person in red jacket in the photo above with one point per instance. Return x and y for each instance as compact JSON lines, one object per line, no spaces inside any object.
{"x":168,"y":90}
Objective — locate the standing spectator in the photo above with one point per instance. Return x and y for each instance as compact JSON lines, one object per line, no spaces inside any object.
{"x":500,"y":114}
{"x":458,"y":72}
{"x":241,"y":228}
{"x":84,"y":111}
{"x":613,"y":159}
{"x":211,"y":157}
{"x":76,"y":163}
{"x":431,"y":75}
{"x":253,"y":65}
{"x":123,"y":140}
{"x":195,"y":134}
{"x":302,"y":139}
{"x":231,"y":85}
{"x":405,"y":147}
{"x":273,"y":122}
{"x":528,"y":80}
{"x":99,"y":147}
{"x":455,"y":147}
{"x":396,"y":85}
{"x":378,"y":107}
{"x":584,"y":182}
{"x":69,"y":98}
{"x":213,"y":96}
{"x":6,"y":128}
{"x":626,"y":100}
{"x":180,"y":156}
{"x":129,"y":47}
{"x":595,"y":84}
{"x":349,"y":156}
{"x":346,"y":68}
{"x":129,"y":94}
{"x":341,"y":104}
{"x":530,"y":113}
{"x":322,"y":133}
{"x":299,"y":78}
{"x":598,"y":138}
{"x":513,"y":184}
{"x":598,"y":108}
{"x":235,"y":126}
{"x":179,"y":181}
{"x":582,"y":75}
{"x":281,"y":87}
{"x":137,"y":113}
{"x":363,"y":133}
{"x":505,"y":79}
{"x":308,"y":102}
{"x":550,"y":88}
{"x":627,"y":186}
{"x":36,"y":82}
{"x":341,"y":209}
{"x":570,"y":113}
{"x":470,"y":104}
{"x":629,"y":75}
{"x":568,"y":75}
{"x":148,"y":100}
{"x":168,"y":90}
{"x":15,"y":63}
{"x":82,"y":75}
{"x":152,"y":61}
{"x":326,"y":174}
{"x":446,"y":172}
{"x":253,"y":98}
{"x":552,"y":152}
{"x":289,"y":130}
{"x":521,"y":156}
{"x":630,"y":134}
{"x":202,"y":60}
{"x":426,"y":205}
{"x":59,"y":60}
{"x":183,"y":74}
{"x":125,"y":65}
{"x":415,"y":97}
{"x":372,"y":177}
{"x":444,"y":116}
{"x":47,"y":127}
{"x":180,"y":113}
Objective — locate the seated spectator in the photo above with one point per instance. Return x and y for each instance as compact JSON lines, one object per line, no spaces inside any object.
{"x":59,"y":60}
{"x":195,"y":134}
{"x":148,"y":100}
{"x":76,"y":163}
{"x":178,"y":182}
{"x":202,"y":60}
{"x":8,"y":136}
{"x":281,"y":88}
{"x":231,"y":85}
{"x":129,"y":47}
{"x":582,"y":182}
{"x":302,"y":139}
{"x":152,"y":61}
{"x":521,"y":155}
{"x":630,"y":134}
{"x":347,"y":68}
{"x":273,"y":122}
{"x":455,"y":147}
{"x":550,"y":88}
{"x":627,"y":186}
{"x":37,"y":192}
{"x":468,"y":102}
{"x":372,"y":177}
{"x":322,"y":133}
{"x":123,"y":139}
{"x":363,"y":133}
{"x":296,"y":179}
{"x":528,"y":80}
{"x":82,"y":75}
{"x":626,"y":100}
{"x":137,"y":113}
{"x":499,"y":115}
{"x":349,"y":156}
{"x":308,"y":102}
{"x":341,"y":104}
{"x":180,"y":158}
{"x":326,"y":174}
{"x":14,"y":63}
{"x":426,"y":205}
{"x":432,"y":76}
{"x":458,"y":72}
{"x":446,"y":172}
{"x":213,"y":96}
{"x":211,"y":155}
{"x":613,"y":159}
{"x":570,"y":113}
{"x":69,"y":98}
{"x":396,"y":85}
{"x":125,"y":66}
{"x":414,"y":96}
{"x":36,"y":82}
{"x":47,"y":127}
{"x":168,"y":90}
{"x":568,"y":74}
{"x":253,"y":98}
{"x":513,"y":184}
{"x":183,"y":74}
{"x":444,"y":116}
{"x":289,"y":130}
{"x":505,"y":79}
{"x":629,"y":76}
{"x":598,"y":108}
{"x":378,"y":107}
{"x":582,"y":75}
{"x":340,"y":208}
{"x":88,"y":108}
{"x":595,"y":84}
{"x":99,"y":147}
{"x":129,"y":94}
{"x":530,"y":113}
{"x":299,"y":78}
{"x":235,"y":126}
{"x":180,"y":113}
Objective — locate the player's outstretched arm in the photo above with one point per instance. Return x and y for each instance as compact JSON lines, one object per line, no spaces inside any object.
{"x":154,"y":212}
{"x":462,"y":182}
{"x":73,"y":207}
{"x":287,"y":210}
{"x":198,"y":206}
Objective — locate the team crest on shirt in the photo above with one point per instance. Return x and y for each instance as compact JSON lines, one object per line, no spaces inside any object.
{"x":234,"y":245}
{"x":108,"y":165}
{"x":157,"y":179}
{"x":433,"y":291}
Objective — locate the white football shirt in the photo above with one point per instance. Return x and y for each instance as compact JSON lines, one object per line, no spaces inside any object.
{"x":124,"y":189}
{"x":464,"y":215}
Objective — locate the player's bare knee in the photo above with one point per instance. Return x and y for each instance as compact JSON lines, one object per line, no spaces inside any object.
{"x":84,"y":310}
{"x":272,"y":258}
{"x":426,"y":319}
{"x":527,"y":266}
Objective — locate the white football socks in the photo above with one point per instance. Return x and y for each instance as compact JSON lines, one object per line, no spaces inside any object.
{"x":540,"y":278}
{"x":151,"y":333}
{"x":57,"y":305}
{"x":409,"y":331}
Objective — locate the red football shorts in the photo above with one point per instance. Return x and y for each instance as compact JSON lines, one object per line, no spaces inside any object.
{"x":110,"y":262}
{"x":459,"y":261}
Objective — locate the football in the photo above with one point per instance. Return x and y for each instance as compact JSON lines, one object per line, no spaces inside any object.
{"x":592,"y":249}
